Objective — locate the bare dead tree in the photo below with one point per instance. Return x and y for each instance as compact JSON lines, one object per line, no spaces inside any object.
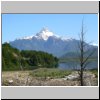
{"x":83,"y":58}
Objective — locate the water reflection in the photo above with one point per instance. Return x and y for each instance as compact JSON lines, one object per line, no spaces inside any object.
{"x":75,"y":65}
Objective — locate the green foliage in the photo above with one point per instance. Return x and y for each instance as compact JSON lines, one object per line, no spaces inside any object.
{"x":40,"y":59}
{"x":13,"y":59}
{"x":50,"y":72}
{"x":9,"y":57}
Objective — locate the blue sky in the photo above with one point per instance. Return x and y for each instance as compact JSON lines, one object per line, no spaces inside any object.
{"x":66,"y":25}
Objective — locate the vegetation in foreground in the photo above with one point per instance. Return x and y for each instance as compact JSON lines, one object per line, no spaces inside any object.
{"x":50,"y":72}
{"x":36,"y":77}
{"x":46,"y":77}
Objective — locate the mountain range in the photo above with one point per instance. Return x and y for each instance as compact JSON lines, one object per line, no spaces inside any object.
{"x":49,"y":42}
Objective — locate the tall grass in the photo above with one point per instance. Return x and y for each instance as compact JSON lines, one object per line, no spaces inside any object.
{"x":50,"y":72}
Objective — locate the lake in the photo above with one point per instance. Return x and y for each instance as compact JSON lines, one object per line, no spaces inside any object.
{"x":75,"y":65}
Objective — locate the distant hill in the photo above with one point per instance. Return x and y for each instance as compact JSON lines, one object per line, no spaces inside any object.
{"x":13,"y":59}
{"x":76,"y":54}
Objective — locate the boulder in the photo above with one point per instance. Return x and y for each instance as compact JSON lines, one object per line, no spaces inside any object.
{"x":10,"y":81}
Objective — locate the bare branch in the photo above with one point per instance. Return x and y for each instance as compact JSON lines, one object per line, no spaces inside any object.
{"x":89,"y":56}
{"x":85,"y":65}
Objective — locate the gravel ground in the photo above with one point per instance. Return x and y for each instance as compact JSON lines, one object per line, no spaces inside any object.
{"x":22,"y":78}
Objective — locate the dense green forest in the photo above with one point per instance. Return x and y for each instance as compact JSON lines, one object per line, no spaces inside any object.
{"x":13,"y":59}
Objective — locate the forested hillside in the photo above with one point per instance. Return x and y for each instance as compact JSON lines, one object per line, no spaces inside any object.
{"x":13,"y":59}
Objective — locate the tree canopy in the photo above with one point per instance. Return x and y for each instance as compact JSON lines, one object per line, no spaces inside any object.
{"x":13,"y":59}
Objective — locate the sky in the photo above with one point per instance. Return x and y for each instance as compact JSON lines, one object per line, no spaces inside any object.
{"x":16,"y":26}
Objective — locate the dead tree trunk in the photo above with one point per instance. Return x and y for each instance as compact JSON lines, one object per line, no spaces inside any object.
{"x":83,"y":59}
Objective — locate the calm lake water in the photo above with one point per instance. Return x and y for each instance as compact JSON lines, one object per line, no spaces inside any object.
{"x":75,"y":65}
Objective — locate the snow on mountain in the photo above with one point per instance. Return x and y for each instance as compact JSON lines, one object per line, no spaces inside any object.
{"x":44,"y":34}
{"x":94,"y":44}
{"x":26,"y":37}
{"x":67,"y":39}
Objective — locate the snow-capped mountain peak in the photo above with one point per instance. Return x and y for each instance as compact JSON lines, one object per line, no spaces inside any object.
{"x":44,"y":34}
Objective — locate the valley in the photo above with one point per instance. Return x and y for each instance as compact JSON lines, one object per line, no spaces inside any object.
{"x":46,"y":59}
